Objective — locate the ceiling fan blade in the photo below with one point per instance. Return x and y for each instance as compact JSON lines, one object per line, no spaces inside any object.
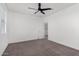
{"x":36,"y":12}
{"x":47,"y":9}
{"x":42,"y":12}
{"x":39,"y":5}
{"x":32,"y":8}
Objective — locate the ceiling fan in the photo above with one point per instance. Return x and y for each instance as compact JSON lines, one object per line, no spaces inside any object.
{"x":40,"y":9}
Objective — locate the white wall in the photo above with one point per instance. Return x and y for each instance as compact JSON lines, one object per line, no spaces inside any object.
{"x":24,"y":27}
{"x":3,"y":33}
{"x":63,"y":27}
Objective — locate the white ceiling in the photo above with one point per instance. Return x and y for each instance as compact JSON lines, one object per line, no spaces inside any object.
{"x":23,"y":8}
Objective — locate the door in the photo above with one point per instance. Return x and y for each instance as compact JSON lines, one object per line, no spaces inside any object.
{"x":46,"y":30}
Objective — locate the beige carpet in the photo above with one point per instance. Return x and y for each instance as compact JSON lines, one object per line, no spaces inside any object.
{"x":38,"y":47}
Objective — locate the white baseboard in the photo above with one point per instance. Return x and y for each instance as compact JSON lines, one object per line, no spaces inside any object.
{"x":24,"y":40}
{"x":65,"y":45}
